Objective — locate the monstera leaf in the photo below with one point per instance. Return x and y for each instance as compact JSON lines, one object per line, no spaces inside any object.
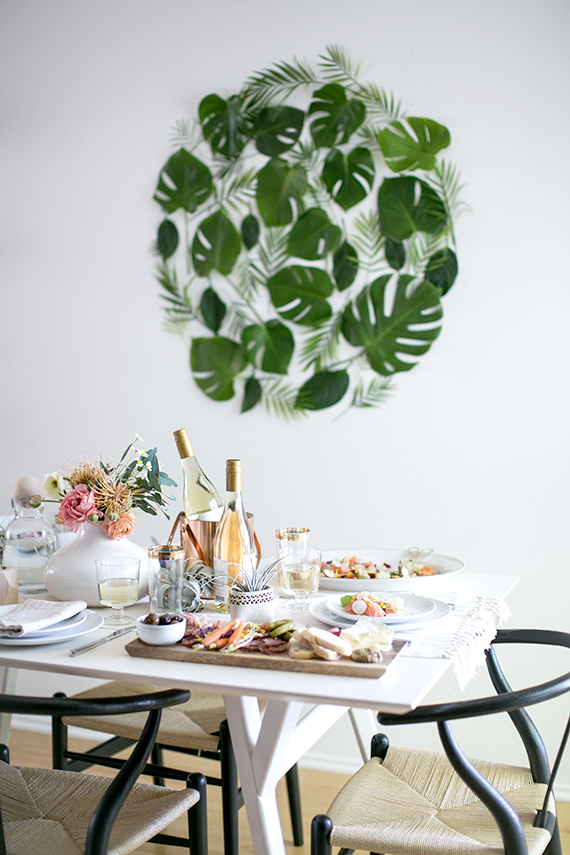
{"x":184,"y":182}
{"x":404,"y":331}
{"x":224,"y":125}
{"x":345,"y":266}
{"x":216,"y":245}
{"x":304,"y":290}
{"x":407,"y":205}
{"x":343,"y":175}
{"x":277,"y":129}
{"x":339,"y":118}
{"x":277,"y":184}
{"x":276,"y":342}
{"x":215,"y":363}
{"x":402,"y":151}
{"x":167,"y":239}
{"x":324,"y":389}
{"x":251,"y":394}
{"x":313,"y":236}
{"x":213,"y":309}
{"x":442,"y":269}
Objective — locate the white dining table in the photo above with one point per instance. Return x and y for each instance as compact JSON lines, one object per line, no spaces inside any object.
{"x":267,"y":745}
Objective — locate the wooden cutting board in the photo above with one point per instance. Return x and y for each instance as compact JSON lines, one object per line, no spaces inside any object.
{"x":276,"y":662}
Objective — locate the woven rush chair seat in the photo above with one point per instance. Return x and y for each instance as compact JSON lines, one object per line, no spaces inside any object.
{"x":414,"y":802}
{"x":407,"y":801}
{"x":48,"y":811}
{"x":195,"y":724}
{"x":197,"y":727}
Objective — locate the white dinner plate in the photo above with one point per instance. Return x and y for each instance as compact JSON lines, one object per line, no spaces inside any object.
{"x":92,"y":621}
{"x":74,"y":620}
{"x":413,"y":608}
{"x":444,"y":578}
{"x":318,"y":609}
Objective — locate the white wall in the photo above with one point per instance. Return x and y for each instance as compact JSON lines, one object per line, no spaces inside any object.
{"x":471,"y":454}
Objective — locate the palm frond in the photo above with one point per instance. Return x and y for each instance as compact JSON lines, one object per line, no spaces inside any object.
{"x":179,"y":309}
{"x":447,"y":184}
{"x":237,"y":191}
{"x":276,"y":83}
{"x":367,"y":134}
{"x":245,"y":280}
{"x":279,"y":398}
{"x":380,"y":105}
{"x":273,"y":252}
{"x":322,"y":345}
{"x":369,"y":242}
{"x":372,"y":394}
{"x":337,"y":66}
{"x":422,"y":247}
{"x":187,"y":133}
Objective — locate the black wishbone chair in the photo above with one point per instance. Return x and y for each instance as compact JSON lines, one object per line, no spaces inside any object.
{"x":65,"y":813}
{"x":414,"y":802}
{"x":197,"y":728}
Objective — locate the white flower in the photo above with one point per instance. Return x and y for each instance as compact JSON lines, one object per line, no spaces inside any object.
{"x":53,"y":486}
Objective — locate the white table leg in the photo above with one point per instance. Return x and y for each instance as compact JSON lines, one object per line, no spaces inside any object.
{"x":365,"y":726}
{"x":8,"y":678}
{"x":265,"y":750}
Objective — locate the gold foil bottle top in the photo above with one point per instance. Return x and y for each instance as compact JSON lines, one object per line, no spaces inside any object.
{"x":183,"y":443}
{"x":233,"y":476}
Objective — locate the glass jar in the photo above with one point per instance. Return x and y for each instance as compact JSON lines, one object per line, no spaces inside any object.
{"x":28,"y":543}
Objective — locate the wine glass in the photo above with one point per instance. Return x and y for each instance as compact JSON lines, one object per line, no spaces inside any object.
{"x":299,"y":575}
{"x":118,"y":582}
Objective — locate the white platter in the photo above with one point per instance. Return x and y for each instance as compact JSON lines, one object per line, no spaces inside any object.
{"x":92,"y":622}
{"x":426,"y":585}
{"x":413,"y":609}
{"x":318,"y":609}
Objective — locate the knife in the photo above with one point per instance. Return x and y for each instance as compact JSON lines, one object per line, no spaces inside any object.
{"x":93,"y":644}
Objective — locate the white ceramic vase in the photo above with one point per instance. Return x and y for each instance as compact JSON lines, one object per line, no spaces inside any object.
{"x":254,"y":606}
{"x":70,"y":572}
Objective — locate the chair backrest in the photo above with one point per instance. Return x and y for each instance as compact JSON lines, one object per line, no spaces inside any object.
{"x":515,"y":703}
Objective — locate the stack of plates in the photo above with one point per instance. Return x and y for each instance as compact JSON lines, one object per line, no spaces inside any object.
{"x":82,"y":623}
{"x":415,"y":610}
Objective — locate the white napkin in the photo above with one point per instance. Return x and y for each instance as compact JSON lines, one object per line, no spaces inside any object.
{"x":33,"y":615}
{"x":463,"y":636}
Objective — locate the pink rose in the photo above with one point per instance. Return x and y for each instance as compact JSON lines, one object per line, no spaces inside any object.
{"x":77,"y":506}
{"x":119,"y":528}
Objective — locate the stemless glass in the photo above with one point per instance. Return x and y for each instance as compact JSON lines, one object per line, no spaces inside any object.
{"x":299,"y":575}
{"x":118,"y":583}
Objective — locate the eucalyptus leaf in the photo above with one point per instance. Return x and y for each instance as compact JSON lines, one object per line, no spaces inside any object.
{"x":250,"y":231}
{"x":403,"y":149}
{"x":277,"y":129}
{"x":313,"y":236}
{"x":251,"y":394}
{"x":185,"y":182}
{"x":278,"y":184}
{"x":167,"y":239}
{"x":304,"y":291}
{"x":324,"y":389}
{"x":442,"y":269}
{"x":409,"y":329}
{"x":276,"y":342}
{"x":213,"y":309}
{"x":395,"y":253}
{"x":346,"y":174}
{"x":339,"y":117}
{"x":345,"y":266}
{"x":407,"y":205}
{"x":215,"y":363}
{"x":216,"y":245}
{"x":224,"y":124}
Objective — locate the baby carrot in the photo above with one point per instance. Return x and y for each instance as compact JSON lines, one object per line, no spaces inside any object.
{"x":235,"y":636}
{"x":216,"y":634}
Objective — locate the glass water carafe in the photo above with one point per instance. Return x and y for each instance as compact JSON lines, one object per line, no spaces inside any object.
{"x":29,"y":542}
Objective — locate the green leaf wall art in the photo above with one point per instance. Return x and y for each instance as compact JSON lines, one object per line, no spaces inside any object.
{"x":306,"y":239}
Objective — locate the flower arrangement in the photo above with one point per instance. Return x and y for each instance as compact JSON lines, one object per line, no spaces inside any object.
{"x":94,"y":492}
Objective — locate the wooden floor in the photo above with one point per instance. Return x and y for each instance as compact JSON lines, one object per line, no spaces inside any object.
{"x":317,"y":791}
